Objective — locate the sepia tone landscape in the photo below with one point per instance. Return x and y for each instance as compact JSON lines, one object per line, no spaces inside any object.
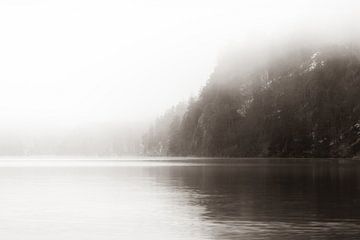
{"x":179,"y":120}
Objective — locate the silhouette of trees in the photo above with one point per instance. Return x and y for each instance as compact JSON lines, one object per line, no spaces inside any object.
{"x":303,"y":103}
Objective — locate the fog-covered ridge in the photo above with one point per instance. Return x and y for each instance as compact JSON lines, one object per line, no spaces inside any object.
{"x":300,"y":101}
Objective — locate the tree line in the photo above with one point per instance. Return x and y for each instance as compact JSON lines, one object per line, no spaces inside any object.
{"x":303,"y":102}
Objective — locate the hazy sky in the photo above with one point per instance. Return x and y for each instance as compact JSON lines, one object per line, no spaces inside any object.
{"x":80,"y":61}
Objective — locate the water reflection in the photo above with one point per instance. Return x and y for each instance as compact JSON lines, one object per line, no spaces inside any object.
{"x":265,"y":201}
{"x":211,"y":200}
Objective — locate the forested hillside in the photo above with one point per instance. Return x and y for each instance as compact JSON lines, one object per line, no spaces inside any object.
{"x":164,"y":132}
{"x":303,"y":102}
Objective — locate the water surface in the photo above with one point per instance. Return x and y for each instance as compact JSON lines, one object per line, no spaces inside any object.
{"x":180,"y":199}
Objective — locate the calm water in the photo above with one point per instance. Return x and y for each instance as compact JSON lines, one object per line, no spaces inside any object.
{"x":180,"y":199}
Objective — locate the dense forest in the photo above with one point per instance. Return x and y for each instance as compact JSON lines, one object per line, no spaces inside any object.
{"x":303,"y":102}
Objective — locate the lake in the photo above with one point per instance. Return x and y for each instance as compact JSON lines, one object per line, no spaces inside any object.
{"x":179,"y":198}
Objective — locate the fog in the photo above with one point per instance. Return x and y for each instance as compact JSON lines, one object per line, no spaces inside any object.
{"x":84,"y":77}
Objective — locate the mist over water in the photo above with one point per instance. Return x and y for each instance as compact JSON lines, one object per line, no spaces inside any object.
{"x":98,"y":97}
{"x":70,"y":78}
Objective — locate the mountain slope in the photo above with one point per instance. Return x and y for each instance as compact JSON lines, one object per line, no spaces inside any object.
{"x":299,"y":103}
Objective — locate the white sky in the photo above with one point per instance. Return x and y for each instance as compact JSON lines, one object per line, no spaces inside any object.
{"x":74,"y":62}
